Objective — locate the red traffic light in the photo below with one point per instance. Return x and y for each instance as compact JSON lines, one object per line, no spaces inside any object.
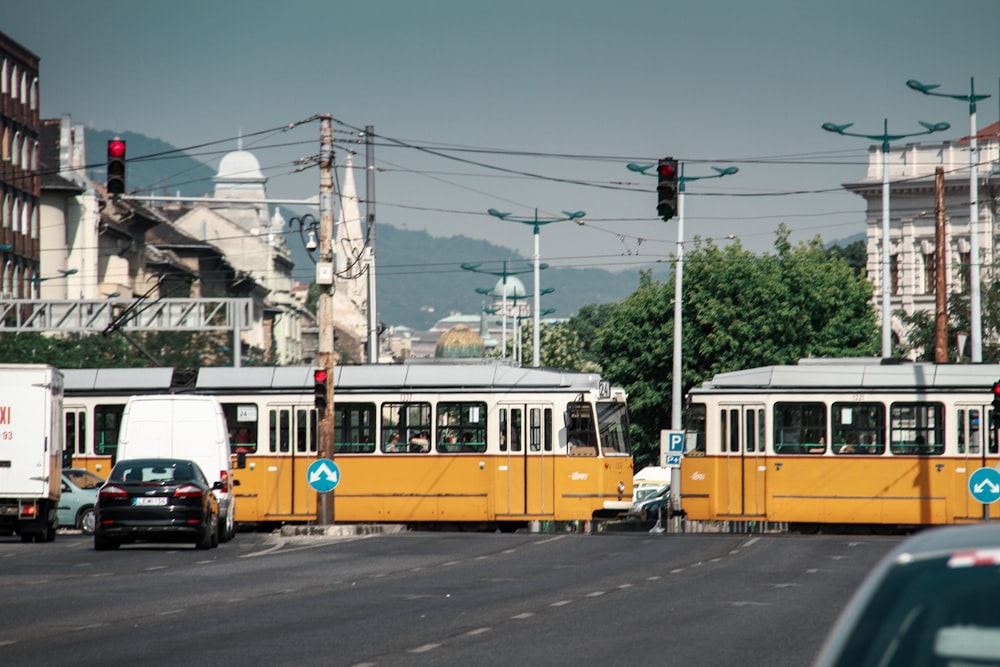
{"x":319,"y":375}
{"x":666,"y":170}
{"x":116,"y":148}
{"x":996,"y":390}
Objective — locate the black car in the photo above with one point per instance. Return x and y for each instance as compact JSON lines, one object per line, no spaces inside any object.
{"x":156,"y":500}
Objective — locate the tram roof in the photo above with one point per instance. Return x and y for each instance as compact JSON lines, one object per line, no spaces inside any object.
{"x":859,"y":373}
{"x":117,"y":379}
{"x":460,"y":376}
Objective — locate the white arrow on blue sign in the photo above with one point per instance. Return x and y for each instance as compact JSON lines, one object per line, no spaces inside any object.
{"x":323,"y":475}
{"x":984,"y":485}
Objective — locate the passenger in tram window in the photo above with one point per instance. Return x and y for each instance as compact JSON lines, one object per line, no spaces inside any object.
{"x":392,"y":445}
{"x":420,"y":442}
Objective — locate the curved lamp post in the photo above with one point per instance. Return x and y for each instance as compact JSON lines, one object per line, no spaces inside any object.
{"x":885,"y":138}
{"x":675,"y":390}
{"x":503,"y":274}
{"x":310,"y":223}
{"x":536,"y":222}
{"x":975,"y":295}
{"x":63,"y":273}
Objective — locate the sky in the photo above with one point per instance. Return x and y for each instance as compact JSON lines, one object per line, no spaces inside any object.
{"x":532,"y":105}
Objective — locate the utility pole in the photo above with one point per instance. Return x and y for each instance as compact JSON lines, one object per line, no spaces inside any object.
{"x":373,"y":327}
{"x":324,"y":280}
{"x":941,"y":285}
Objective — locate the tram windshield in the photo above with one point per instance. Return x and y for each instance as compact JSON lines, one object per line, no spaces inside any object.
{"x":612,"y":420}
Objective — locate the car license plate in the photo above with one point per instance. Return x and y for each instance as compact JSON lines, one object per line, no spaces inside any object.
{"x":149,"y":501}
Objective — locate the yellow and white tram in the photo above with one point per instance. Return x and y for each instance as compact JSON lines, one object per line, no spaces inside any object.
{"x":483,"y":443}
{"x":849,"y":441}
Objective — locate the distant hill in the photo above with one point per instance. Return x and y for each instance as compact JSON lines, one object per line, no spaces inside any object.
{"x":419,"y":276}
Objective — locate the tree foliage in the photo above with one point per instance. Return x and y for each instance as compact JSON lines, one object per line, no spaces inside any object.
{"x":740,"y":310}
{"x":921,"y":330}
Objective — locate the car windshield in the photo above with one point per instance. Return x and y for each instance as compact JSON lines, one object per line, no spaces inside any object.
{"x":945,"y":607}
{"x":152,"y":471}
{"x":647,"y":492}
{"x":83,"y":479}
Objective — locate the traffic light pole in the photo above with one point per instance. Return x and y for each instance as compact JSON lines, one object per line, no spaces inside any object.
{"x":325,"y":420}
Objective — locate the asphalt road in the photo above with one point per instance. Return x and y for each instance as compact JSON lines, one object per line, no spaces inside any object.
{"x":430,"y":599}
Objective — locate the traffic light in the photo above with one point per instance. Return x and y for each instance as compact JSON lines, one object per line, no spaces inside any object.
{"x":320,"y":377}
{"x":996,"y":401}
{"x":666,"y":188}
{"x":116,"y":166}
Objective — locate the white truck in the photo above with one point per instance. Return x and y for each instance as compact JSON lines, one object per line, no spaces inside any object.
{"x":31,"y":449}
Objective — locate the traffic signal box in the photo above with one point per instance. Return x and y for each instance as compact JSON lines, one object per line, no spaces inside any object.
{"x":320,"y":378}
{"x":116,"y":167}
{"x":666,"y":188}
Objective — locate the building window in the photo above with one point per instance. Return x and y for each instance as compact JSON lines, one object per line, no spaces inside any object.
{"x":964,"y":271}
{"x":930,"y":272}
{"x":894,"y":272}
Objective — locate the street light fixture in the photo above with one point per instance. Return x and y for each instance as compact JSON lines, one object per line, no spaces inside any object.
{"x":63,"y":273}
{"x":885,"y":138}
{"x":503,"y":274}
{"x":975,"y":294}
{"x":536,"y":222}
{"x":307,"y":222}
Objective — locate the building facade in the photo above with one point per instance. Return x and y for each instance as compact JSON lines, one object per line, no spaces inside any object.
{"x":20,"y":130}
{"x":912,"y":221}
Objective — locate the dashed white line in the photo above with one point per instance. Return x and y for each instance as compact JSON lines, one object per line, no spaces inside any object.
{"x":561,"y":603}
{"x":424,"y":648}
{"x":521,"y":617}
{"x":595,"y":594}
{"x":477,"y":631}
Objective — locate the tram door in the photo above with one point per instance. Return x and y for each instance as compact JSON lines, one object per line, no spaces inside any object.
{"x":742,"y":450}
{"x":526,"y":470}
{"x":293,"y":447}
{"x":977,"y":446}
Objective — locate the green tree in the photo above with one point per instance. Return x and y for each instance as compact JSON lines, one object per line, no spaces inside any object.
{"x":561,"y":347}
{"x":740,"y":311}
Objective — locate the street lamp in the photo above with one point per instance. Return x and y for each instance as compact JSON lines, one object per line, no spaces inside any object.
{"x":675,"y":398}
{"x":975,"y":296}
{"x":503,"y":274}
{"x":885,"y":138}
{"x":517,"y":343}
{"x":63,"y":273}
{"x":307,"y":222}
{"x":536,"y":222}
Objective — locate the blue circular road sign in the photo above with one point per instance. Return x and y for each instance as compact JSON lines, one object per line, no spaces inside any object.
{"x":323,"y":475}
{"x":984,"y":485}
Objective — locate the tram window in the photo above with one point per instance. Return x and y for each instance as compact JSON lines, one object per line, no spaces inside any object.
{"x":515,"y":429}
{"x":503,"y":429}
{"x":734,"y":430}
{"x":992,"y":432}
{"x":535,"y":429}
{"x":406,"y":427}
{"x":916,"y":429}
{"x":281,"y":431}
{"x":858,"y":428}
{"x":581,"y":436}
{"x":107,"y":421}
{"x":612,"y":420}
{"x":76,"y":432}
{"x":751,"y":430}
{"x":799,"y":428}
{"x":241,"y":419}
{"x":969,"y":431}
{"x":353,"y":428}
{"x":694,"y":429}
{"x":461,"y":426}
{"x":301,"y":430}
{"x":547,"y":437}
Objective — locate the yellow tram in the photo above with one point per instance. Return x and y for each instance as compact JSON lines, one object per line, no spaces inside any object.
{"x":839,"y":441}
{"x":477,"y":443}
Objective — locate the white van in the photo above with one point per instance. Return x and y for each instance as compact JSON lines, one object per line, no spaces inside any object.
{"x":183,"y":427}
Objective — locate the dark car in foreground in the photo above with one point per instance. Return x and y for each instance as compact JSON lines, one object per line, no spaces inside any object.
{"x":156,"y":500}
{"x":935,"y":601}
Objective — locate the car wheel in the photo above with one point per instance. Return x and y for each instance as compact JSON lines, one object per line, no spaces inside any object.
{"x":102,"y":543}
{"x":87,"y":520}
{"x":206,"y":536}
